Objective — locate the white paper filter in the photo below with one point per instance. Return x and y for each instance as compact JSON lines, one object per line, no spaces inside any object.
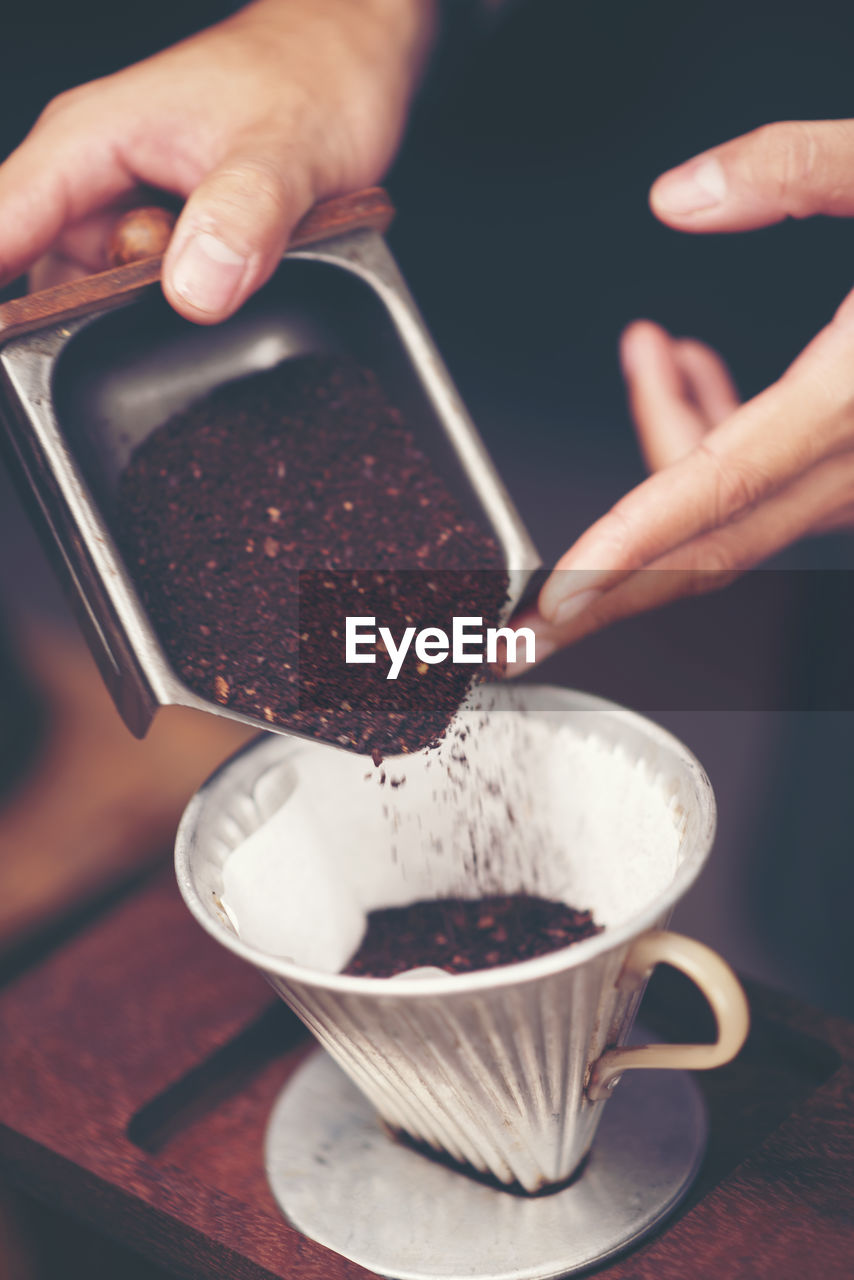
{"x":539,"y":804}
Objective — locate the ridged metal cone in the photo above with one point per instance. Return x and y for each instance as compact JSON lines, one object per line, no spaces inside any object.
{"x":495,"y":1078}
{"x":488,"y":1067}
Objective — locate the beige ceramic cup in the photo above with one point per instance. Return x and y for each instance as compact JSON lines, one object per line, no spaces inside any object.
{"x":285,"y":849}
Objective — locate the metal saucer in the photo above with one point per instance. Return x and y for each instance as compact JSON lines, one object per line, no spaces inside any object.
{"x":341,"y":1180}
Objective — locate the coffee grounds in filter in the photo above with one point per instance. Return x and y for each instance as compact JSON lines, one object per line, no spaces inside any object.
{"x":256,"y":520}
{"x":462,"y":935}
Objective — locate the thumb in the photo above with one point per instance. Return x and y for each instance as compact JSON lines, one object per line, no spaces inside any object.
{"x":794,"y":169}
{"x":232,"y":233}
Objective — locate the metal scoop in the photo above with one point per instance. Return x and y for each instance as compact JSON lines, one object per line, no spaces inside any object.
{"x":88,"y":370}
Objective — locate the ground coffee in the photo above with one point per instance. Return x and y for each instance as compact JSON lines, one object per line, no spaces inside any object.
{"x":463,"y":934}
{"x":257,"y":520}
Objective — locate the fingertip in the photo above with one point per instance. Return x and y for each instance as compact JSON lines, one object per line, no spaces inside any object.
{"x":635,"y":342}
{"x":545,"y":644}
{"x":232,"y":233}
{"x":549,"y":597}
{"x":657,"y":203}
{"x":204,"y":278}
{"x":707,"y":379}
{"x":642,"y":325}
{"x":567,"y":591}
{"x":696,"y":348}
{"x":628,"y":355}
{"x":698,"y":187}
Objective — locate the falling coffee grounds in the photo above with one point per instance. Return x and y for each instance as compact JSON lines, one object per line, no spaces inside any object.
{"x":462,"y":935}
{"x":261,"y":517}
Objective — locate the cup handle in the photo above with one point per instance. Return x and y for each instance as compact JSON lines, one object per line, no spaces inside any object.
{"x":718,"y":984}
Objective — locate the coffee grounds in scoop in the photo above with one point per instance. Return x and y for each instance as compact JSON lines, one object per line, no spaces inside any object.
{"x":255,"y":521}
{"x":462,"y":935}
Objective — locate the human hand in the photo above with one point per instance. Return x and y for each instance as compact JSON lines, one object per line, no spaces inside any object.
{"x":732,"y":484}
{"x":250,"y":122}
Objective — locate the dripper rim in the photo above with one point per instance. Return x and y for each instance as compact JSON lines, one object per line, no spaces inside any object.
{"x":612,"y":937}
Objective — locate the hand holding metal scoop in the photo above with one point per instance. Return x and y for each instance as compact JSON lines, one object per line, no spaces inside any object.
{"x":89,"y":369}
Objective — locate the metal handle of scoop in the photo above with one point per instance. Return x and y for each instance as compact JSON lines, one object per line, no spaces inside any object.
{"x":138,"y":243}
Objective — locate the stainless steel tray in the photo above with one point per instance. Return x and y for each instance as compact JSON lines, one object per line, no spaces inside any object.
{"x":79,"y":396}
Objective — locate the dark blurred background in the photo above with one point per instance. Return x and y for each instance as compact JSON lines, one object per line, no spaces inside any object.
{"x":524,"y":232}
{"x":527,"y":239}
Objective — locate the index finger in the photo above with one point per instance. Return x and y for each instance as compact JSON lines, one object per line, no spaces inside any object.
{"x":793,"y":169}
{"x":54,"y":178}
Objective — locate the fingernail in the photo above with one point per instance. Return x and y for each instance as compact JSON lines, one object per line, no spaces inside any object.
{"x":575,"y":605}
{"x":207,"y":273}
{"x":543,"y":648}
{"x":691,"y":188}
